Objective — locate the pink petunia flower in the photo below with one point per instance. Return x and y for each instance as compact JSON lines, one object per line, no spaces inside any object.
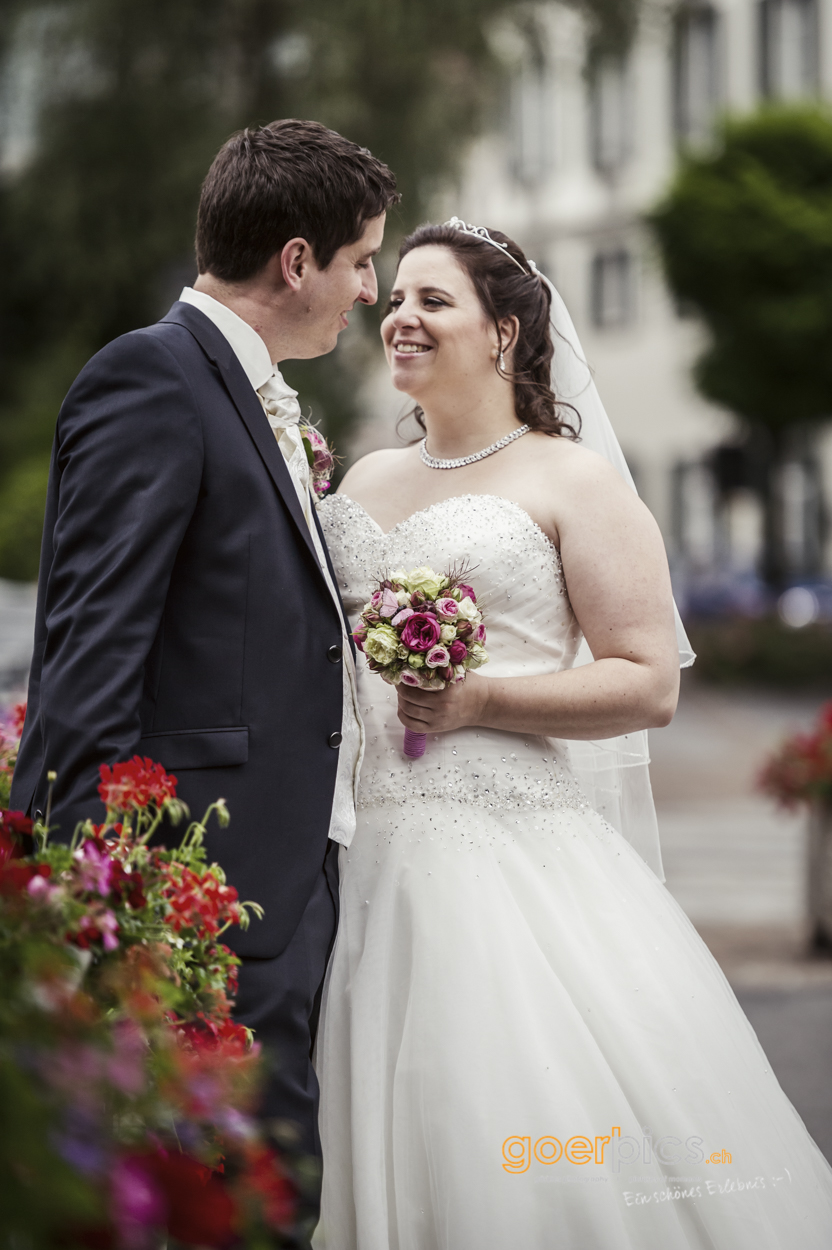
{"x":95,"y":868}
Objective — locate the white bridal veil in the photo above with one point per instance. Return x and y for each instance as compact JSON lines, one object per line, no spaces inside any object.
{"x":613,"y":773}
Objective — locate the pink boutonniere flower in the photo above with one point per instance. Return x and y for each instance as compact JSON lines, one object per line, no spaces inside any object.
{"x":321,"y":457}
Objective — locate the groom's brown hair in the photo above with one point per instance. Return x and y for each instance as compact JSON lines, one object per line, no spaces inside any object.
{"x":290,"y":179}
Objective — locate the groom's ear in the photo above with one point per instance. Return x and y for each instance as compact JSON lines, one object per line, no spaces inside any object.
{"x":293,"y":263}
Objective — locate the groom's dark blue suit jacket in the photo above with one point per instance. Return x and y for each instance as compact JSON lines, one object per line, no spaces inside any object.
{"x":182,"y":614}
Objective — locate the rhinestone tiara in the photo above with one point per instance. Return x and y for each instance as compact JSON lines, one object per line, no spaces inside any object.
{"x":480,"y":232}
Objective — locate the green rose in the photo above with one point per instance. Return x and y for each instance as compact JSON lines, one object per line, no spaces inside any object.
{"x":416,"y":661}
{"x":427,"y":581}
{"x":381,"y":644}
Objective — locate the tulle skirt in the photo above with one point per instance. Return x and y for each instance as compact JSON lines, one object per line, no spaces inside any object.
{"x":525,"y":1043}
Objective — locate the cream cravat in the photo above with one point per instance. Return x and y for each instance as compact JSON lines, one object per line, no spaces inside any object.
{"x":283,"y":411}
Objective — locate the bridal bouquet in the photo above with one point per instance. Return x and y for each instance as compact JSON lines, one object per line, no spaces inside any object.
{"x":127,"y":1092}
{"x":422,"y":629}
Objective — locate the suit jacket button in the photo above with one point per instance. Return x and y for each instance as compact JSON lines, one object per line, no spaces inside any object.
{"x":334,"y":654}
{"x":334,"y":740}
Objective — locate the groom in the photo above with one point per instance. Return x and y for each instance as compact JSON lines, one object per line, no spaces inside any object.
{"x":187,"y":609}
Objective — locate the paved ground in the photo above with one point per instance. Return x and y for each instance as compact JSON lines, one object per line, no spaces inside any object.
{"x":736,"y":863}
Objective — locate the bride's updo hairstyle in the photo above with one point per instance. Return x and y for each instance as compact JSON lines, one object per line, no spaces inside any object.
{"x":509,"y":289}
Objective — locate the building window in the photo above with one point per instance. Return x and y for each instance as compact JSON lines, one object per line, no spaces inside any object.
{"x":788,"y":48}
{"x":611,"y":115}
{"x":532,"y":123}
{"x":696,"y":73}
{"x":613,"y":302}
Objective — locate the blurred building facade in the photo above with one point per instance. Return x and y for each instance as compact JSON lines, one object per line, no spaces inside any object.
{"x":570,"y":170}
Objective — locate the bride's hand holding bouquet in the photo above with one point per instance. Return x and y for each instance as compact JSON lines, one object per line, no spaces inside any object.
{"x":422,"y":632}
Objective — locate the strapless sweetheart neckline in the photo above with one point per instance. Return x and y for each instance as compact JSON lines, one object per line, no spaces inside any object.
{"x":431,"y":507}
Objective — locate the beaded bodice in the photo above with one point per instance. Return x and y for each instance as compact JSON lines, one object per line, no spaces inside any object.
{"x":516,"y":573}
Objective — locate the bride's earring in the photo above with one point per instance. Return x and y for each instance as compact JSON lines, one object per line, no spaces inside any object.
{"x":502,"y":362}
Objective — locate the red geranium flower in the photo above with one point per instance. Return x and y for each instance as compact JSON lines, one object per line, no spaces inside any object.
{"x":127,"y":887}
{"x":199,"y":902}
{"x":204,"y":1034}
{"x":800,"y":771}
{"x":15,"y":875}
{"x":15,"y":823}
{"x":266,"y":1178}
{"x":137,"y":783}
{"x":18,"y":717}
{"x":200,"y":1209}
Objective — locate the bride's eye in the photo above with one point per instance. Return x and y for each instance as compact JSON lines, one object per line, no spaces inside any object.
{"x":431,"y":301}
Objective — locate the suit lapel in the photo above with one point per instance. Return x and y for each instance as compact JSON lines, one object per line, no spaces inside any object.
{"x":334,"y":580}
{"x":217,"y":348}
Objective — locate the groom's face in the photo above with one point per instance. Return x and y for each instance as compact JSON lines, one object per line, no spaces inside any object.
{"x":332,"y":293}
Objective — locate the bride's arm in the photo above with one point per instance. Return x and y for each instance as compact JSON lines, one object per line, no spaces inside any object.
{"x":618,"y":582}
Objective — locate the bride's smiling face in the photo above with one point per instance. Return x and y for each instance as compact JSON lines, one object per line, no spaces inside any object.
{"x":436,"y":335}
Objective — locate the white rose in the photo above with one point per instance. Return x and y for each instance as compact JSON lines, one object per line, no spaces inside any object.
{"x":381,"y":644}
{"x":447,"y":633}
{"x":468,"y":610}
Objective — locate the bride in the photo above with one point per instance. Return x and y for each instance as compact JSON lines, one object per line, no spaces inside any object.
{"x":524,"y":1042}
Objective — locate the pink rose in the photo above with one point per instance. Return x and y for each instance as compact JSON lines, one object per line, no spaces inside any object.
{"x":409,"y":678}
{"x":458,"y":652}
{"x":437,"y":657}
{"x":375,"y":599}
{"x":421,"y":632}
{"x":359,"y":635}
{"x":448,"y":609}
{"x":466,"y":590}
{"x":479,"y":633}
{"x":401,"y":617}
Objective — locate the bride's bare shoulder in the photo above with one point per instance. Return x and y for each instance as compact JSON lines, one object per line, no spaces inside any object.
{"x":375,"y":468}
{"x":569,"y":462}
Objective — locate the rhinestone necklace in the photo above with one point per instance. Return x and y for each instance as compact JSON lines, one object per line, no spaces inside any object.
{"x":433,"y":463}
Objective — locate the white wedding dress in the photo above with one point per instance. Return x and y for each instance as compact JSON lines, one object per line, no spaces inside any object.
{"x":524,"y":1043}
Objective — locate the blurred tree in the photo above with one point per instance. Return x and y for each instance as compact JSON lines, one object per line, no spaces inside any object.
{"x":745,"y":234}
{"x":130,"y":100}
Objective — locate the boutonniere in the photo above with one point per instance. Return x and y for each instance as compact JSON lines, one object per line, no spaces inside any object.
{"x":321,"y":457}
